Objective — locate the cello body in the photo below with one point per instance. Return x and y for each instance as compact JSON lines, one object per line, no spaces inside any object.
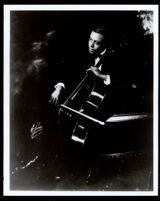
{"x":83,"y":106}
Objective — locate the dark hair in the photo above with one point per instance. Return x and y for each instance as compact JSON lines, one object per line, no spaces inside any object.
{"x":106,"y":32}
{"x":100,"y":29}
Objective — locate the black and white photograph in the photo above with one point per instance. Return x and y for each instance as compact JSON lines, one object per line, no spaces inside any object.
{"x":80,"y":100}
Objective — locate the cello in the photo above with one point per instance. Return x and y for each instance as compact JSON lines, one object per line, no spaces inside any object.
{"x":83,"y":105}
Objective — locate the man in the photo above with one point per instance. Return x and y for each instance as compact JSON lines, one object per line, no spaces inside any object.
{"x":97,"y":47}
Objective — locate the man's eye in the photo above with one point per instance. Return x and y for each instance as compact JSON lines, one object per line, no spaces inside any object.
{"x":98,"y":43}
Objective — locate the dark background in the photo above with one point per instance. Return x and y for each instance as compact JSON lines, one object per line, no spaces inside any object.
{"x":128,"y":39}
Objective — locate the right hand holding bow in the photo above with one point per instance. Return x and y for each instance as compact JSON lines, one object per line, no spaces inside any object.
{"x":55,"y":95}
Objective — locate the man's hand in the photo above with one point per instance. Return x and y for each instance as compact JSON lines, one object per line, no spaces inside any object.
{"x":55,"y":95}
{"x":97,"y":72}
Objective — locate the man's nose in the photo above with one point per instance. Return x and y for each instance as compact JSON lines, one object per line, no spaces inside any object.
{"x":92,"y":44}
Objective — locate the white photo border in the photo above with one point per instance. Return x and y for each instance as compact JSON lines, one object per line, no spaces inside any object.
{"x":6,"y":97}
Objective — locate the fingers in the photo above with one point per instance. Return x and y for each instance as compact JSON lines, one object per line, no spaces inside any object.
{"x":91,"y":68}
{"x":94,"y":69}
{"x":53,"y":100}
{"x":54,"y":97}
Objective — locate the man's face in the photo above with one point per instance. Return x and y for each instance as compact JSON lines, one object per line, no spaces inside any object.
{"x":95,"y":43}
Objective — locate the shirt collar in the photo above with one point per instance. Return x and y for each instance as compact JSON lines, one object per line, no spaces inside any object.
{"x":101,"y":54}
{"x":104,"y":51}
